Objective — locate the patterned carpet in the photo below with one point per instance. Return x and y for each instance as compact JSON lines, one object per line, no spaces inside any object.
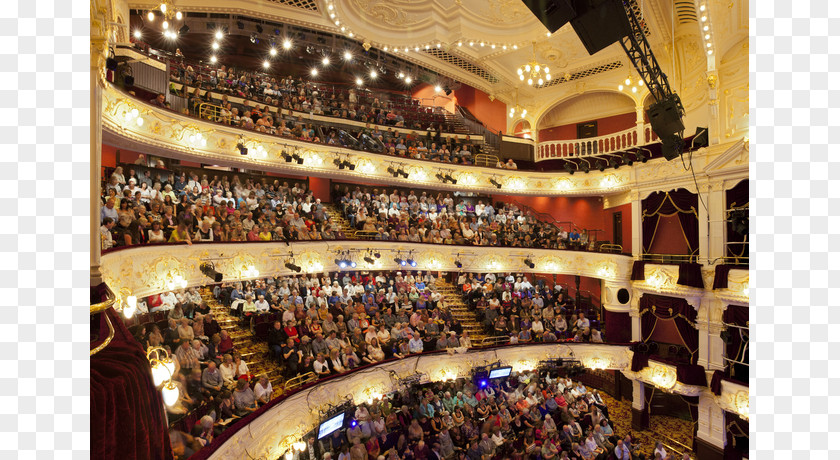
{"x":677,"y":429}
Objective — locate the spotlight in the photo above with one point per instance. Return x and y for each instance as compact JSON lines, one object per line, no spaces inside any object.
{"x":401,"y":75}
{"x":403,"y":173}
{"x":254,"y":38}
{"x":392,"y":171}
{"x":496,"y":183}
{"x":437,"y":88}
{"x":259,"y":28}
{"x":219,"y":35}
{"x":440,"y":177}
{"x":325,"y":62}
{"x":183,"y":30}
{"x":585,"y":167}
{"x":530,"y":263}
{"x":266,"y":64}
{"x":458,"y":264}
{"x":348,"y":56}
{"x":600,"y":165}
{"x":373,"y":74}
{"x":215,"y":45}
{"x":369,"y":260}
{"x":408,"y":80}
{"x":241,"y":146}
{"x":377,"y":255}
{"x":291,"y":266}
{"x":240,"y":25}
{"x":399,"y":261}
{"x":359,"y":81}
{"x":287,"y":44}
{"x":314,"y":72}
{"x":338,"y":163}
{"x":209,"y":270}
{"x":341,"y":263}
{"x":213,"y":59}
{"x":447,"y":90}
{"x":272,"y":51}
{"x":627,"y":160}
{"x":351,"y":264}
{"x":137,"y":34}
{"x":286,"y":156}
{"x":641,"y":157}
{"x":614,"y":163}
{"x":297,"y":158}
{"x":412,"y":262}
{"x":568,"y":168}
{"x":482,"y":383}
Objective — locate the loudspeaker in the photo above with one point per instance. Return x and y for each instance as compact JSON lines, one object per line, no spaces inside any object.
{"x":672,"y":146}
{"x":554,"y":14}
{"x":665,"y":117}
{"x":600,"y":23}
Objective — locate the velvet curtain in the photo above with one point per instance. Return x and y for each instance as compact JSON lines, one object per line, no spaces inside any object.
{"x":689,"y":273}
{"x":127,"y":415}
{"x":738,"y":196}
{"x":653,"y":307}
{"x":722,"y":275}
{"x":736,"y":428}
{"x":680,"y":202}
{"x":737,"y":348}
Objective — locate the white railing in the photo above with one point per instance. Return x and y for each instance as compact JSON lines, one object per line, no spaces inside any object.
{"x":576,"y":148}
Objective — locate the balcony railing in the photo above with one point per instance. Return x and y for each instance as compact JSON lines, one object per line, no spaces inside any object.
{"x":610,"y":143}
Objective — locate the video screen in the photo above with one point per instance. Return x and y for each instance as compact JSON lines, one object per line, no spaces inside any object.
{"x":331,"y":425}
{"x":499,"y":373}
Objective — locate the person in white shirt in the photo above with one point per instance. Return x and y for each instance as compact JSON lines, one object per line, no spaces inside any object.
{"x":168,"y":300}
{"x":263,"y":390}
{"x":262,"y":305}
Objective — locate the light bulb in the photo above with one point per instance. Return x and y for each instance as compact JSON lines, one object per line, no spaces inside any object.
{"x":482,"y":44}
{"x":408,"y":79}
{"x":511,"y":114}
{"x":416,"y":48}
{"x":325,"y":61}
{"x":703,"y":19}
{"x":350,"y":34}
{"x":641,"y":82}
{"x":427,"y":46}
{"x":437,"y":88}
{"x":438,"y":45}
{"x":524,"y":112}
{"x":330,"y":7}
{"x":627,"y":81}
{"x":708,"y":36}
{"x":705,"y":28}
{"x":272,"y":51}
{"x":548,"y":34}
{"x":140,"y":121}
{"x":620,"y":87}
{"x":151,"y":16}
{"x":137,"y":34}
{"x":215,"y":45}
{"x":709,"y":52}
{"x":460,"y":43}
{"x":159,"y":373}
{"x":633,"y":89}
{"x":347,"y":56}
{"x":287,"y":44}
{"x":163,"y":7}
{"x":266,"y":64}
{"x":530,"y":82}
{"x":540,"y":81}
{"x":471,"y":43}
{"x":548,"y":77}
{"x":373,"y":74}
{"x":546,"y":69}
{"x":170,"y":393}
{"x":519,"y":71}
{"x":343,"y":28}
{"x":401,"y":75}
{"x":332,"y":15}
{"x":178,"y":15}
{"x":521,"y":77}
{"x":702,"y":7}
{"x":314,"y":72}
{"x":708,"y":45}
{"x":527,"y":67}
{"x":537,"y":68}
{"x":493,"y":46}
{"x":213,"y":59}
{"x":504,"y":47}
{"x":165,"y":25}
{"x":385,"y":49}
{"x":359,"y":81}
{"x":128,"y":312}
{"x":515,"y":47}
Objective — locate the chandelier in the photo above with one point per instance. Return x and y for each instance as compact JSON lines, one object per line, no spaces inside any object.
{"x":629,"y":85}
{"x":533,"y":71}
{"x":169,"y":13}
{"x":517,"y":109}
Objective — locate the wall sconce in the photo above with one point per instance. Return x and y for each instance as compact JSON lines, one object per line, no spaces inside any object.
{"x":444,"y":375}
{"x":596,"y":363}
{"x":249,"y":272}
{"x":174,"y":280}
{"x":524,"y":365}
{"x":162,"y":369}
{"x":609,"y":181}
{"x":129,"y":303}
{"x":133,"y":115}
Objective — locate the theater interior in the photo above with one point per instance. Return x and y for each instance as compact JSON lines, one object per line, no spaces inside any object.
{"x":419,"y":229}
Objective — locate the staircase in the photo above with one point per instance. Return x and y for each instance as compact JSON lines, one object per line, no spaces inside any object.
{"x":254,"y":352}
{"x":460,"y":310}
{"x":456,"y":123}
{"x":337,"y":220}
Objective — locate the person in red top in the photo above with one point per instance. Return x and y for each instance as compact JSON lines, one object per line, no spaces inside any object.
{"x":226,"y":345}
{"x":291,"y":331}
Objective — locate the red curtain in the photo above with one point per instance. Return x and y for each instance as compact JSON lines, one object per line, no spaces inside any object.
{"x":680,"y":202}
{"x":737,"y":437}
{"x":736,"y":197}
{"x":127,"y":415}
{"x":684,"y":315}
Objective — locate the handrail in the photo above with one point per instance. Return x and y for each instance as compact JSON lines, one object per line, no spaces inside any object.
{"x":612,"y":248}
{"x":594,"y":146}
{"x":669,"y":258}
{"x":672,"y":440}
{"x":548,"y":218}
{"x":483,"y":159}
{"x":212,"y":112}
{"x":299,"y":380}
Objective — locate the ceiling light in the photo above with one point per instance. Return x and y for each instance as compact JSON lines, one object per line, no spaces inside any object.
{"x":266,"y":64}
{"x":482,"y":44}
{"x":351,"y":34}
{"x":401,"y":75}
{"x":178,"y":15}
{"x":215,"y":45}
{"x":460,"y":43}
{"x":515,"y":47}
{"x":438,"y":45}
{"x":287,"y":44}
{"x":273,"y":51}
{"x":437,"y":88}
{"x":373,"y":74}
{"x":137,"y":34}
{"x":347,"y":56}
{"x":332,"y":15}
{"x":427,"y":46}
{"x":627,"y":81}
{"x":703,"y":19}
{"x":633,"y":89}
{"x":325,"y":61}
{"x":705,"y":28}
{"x":708,"y":45}
{"x":219,"y":35}
{"x":702,"y":7}
{"x":385,"y":49}
{"x":330,"y":7}
{"x":416,"y":48}
{"x":504,"y":47}
{"x":343,"y":28}
{"x":406,"y":49}
{"x":151,"y":16}
{"x":359,"y":81}
{"x":708,"y":36}
{"x":165,"y":25}
{"x":163,"y":7}
{"x":493,"y":46}
{"x":408,"y":79}
{"x":471,"y":43}
{"x":213,"y":59}
{"x":548,"y":34}
{"x":709,"y":52}
{"x":313,"y":72}
{"x":530,"y":82}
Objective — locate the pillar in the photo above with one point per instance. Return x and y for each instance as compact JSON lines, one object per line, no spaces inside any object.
{"x":640,"y":124}
{"x":640,"y":414}
{"x":617,"y":320}
{"x":709,"y":325}
{"x":711,"y":432}
{"x":636,"y":227}
{"x":97,"y":64}
{"x":703,"y":223}
{"x":717,"y":221}
{"x":635,"y":319}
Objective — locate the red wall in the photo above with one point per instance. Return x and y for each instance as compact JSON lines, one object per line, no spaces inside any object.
{"x":626,"y":225}
{"x":666,"y":332}
{"x":320,"y":188}
{"x":492,"y":113}
{"x":618,"y":327}
{"x":607,"y":125}
{"x":427,"y":93}
{"x":585,"y":212}
{"x":669,"y":237}
{"x":590,"y":285}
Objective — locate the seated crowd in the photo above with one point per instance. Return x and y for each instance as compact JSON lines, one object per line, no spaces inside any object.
{"x":511,"y":306}
{"x":333,"y":324}
{"x":138,"y":210}
{"x":410,"y":217}
{"x":529,"y":415}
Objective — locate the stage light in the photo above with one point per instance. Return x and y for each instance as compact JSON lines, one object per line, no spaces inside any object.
{"x":215,"y":45}
{"x":272,"y":51}
{"x":377,"y":255}
{"x":240,"y":25}
{"x":213,"y":59}
{"x":209,"y":270}
{"x":530,"y":263}
{"x":627,"y":160}
{"x":266,"y":64}
{"x":314,"y":72}
{"x":438,"y":88}
{"x":482,"y":383}
{"x":291,"y":266}
{"x":373,"y":74}
{"x":348,"y":56}
{"x":287,"y":44}
{"x":219,"y":35}
{"x":325,"y":61}
{"x":495,"y":183}
{"x":184,"y":30}
{"x":137,"y":34}
{"x":369,"y":260}
{"x":408,"y":80}
{"x":359,"y":81}
{"x":412,"y":262}
{"x":458,"y":264}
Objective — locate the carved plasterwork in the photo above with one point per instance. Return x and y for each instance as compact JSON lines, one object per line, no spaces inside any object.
{"x":664,"y":377}
{"x":734,"y":398}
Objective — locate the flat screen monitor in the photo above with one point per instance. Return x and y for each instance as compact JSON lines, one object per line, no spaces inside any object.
{"x":332,"y":424}
{"x":499,"y":373}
